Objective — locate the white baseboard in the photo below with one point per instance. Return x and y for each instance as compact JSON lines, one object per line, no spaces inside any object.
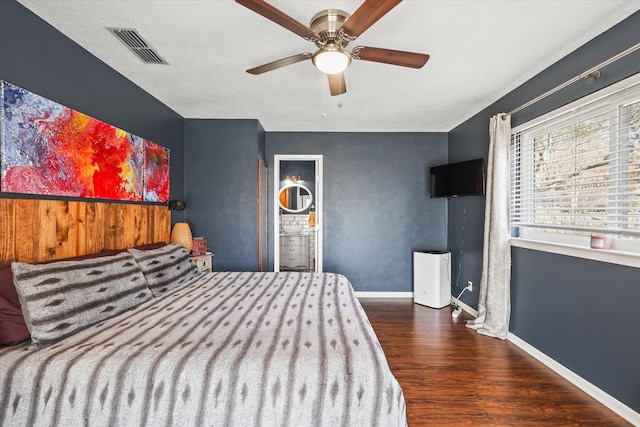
{"x":607,"y":400}
{"x":366,"y":294}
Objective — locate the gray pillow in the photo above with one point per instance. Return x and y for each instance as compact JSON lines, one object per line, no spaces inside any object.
{"x":62,"y":298}
{"x":165,"y":268}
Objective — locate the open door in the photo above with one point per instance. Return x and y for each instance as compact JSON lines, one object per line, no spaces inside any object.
{"x":297,"y":213}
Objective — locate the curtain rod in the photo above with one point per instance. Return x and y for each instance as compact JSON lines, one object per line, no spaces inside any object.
{"x":592,"y":73}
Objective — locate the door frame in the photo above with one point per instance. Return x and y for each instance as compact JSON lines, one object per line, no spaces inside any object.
{"x":263,"y":216}
{"x":317,"y":202}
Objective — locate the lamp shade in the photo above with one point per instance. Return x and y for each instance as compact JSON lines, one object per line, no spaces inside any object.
{"x":181,"y":233}
{"x":331,"y":59}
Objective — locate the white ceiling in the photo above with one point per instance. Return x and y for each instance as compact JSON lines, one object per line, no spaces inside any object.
{"x":480,"y":50}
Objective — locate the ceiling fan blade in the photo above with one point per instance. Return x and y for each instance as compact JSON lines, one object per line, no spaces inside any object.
{"x":271,"y":13}
{"x":366,"y":15}
{"x":337,"y":84}
{"x":388,"y":56}
{"x":280,"y":63}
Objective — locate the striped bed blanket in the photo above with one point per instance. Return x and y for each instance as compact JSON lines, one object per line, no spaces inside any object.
{"x":224,"y":349}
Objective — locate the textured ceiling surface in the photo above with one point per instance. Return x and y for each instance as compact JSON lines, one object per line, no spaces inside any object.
{"x":480,"y":50}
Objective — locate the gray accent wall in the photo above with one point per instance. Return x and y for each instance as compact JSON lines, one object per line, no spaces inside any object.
{"x":37,"y":57}
{"x":377,"y":209}
{"x":580,"y":312}
{"x":222,"y":188}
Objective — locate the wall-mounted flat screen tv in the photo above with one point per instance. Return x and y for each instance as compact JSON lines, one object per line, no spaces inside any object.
{"x":457,"y":179}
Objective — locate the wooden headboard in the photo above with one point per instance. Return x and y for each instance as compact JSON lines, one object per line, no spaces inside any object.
{"x":42,"y":230}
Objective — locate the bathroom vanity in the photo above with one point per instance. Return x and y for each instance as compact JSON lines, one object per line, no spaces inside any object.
{"x":294,"y":252}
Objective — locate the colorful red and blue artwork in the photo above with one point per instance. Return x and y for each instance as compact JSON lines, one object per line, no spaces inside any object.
{"x":156,"y":172}
{"x":49,"y":149}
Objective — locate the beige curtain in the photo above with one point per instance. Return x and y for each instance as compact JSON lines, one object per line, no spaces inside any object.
{"x":494,"y":305}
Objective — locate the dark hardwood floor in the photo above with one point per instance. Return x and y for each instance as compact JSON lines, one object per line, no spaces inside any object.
{"x":450,"y":375}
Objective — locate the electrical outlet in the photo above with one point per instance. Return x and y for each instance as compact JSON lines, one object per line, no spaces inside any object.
{"x":470,"y":286}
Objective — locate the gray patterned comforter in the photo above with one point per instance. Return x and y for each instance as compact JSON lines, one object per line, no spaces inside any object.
{"x":225,"y":349}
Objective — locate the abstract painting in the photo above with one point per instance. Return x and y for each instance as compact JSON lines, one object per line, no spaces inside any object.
{"x":49,"y":149}
{"x":156,"y":172}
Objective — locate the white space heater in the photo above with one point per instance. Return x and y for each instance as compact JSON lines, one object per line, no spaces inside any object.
{"x":432,"y":278}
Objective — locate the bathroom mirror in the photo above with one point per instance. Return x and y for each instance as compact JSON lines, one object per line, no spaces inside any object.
{"x":295,"y":198}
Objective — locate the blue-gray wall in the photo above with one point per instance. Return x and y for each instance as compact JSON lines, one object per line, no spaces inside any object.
{"x":377,"y":208}
{"x":222,"y":188}
{"x":580,"y":312}
{"x":37,"y":57}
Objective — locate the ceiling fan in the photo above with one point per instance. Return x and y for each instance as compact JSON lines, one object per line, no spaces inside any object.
{"x":332,"y":30}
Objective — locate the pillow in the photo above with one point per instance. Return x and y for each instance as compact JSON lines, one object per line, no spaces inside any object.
{"x":13,"y":330}
{"x":64,"y":297}
{"x":165,"y":268}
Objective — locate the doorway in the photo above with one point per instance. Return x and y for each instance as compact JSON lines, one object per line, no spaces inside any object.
{"x":297,"y":212}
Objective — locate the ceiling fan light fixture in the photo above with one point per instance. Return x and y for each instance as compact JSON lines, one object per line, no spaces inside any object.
{"x":331,"y":59}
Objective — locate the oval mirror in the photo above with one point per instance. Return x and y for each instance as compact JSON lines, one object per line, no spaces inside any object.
{"x":295,"y":198}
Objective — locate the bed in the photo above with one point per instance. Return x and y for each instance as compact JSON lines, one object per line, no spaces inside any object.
{"x":201,"y":349}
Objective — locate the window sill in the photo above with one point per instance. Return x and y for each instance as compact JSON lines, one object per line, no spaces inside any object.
{"x":630,"y":259}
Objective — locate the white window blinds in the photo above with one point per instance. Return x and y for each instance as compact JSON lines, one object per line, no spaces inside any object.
{"x":577,"y":170}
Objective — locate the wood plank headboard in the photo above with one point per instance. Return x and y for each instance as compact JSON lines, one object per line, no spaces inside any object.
{"x":34,"y":230}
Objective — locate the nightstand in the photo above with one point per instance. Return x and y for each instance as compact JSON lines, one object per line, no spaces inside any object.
{"x":204,"y":262}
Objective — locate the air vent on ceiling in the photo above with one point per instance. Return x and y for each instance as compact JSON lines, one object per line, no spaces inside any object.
{"x":136,"y":43}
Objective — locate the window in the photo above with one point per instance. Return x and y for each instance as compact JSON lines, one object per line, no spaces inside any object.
{"x":576,"y":171}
